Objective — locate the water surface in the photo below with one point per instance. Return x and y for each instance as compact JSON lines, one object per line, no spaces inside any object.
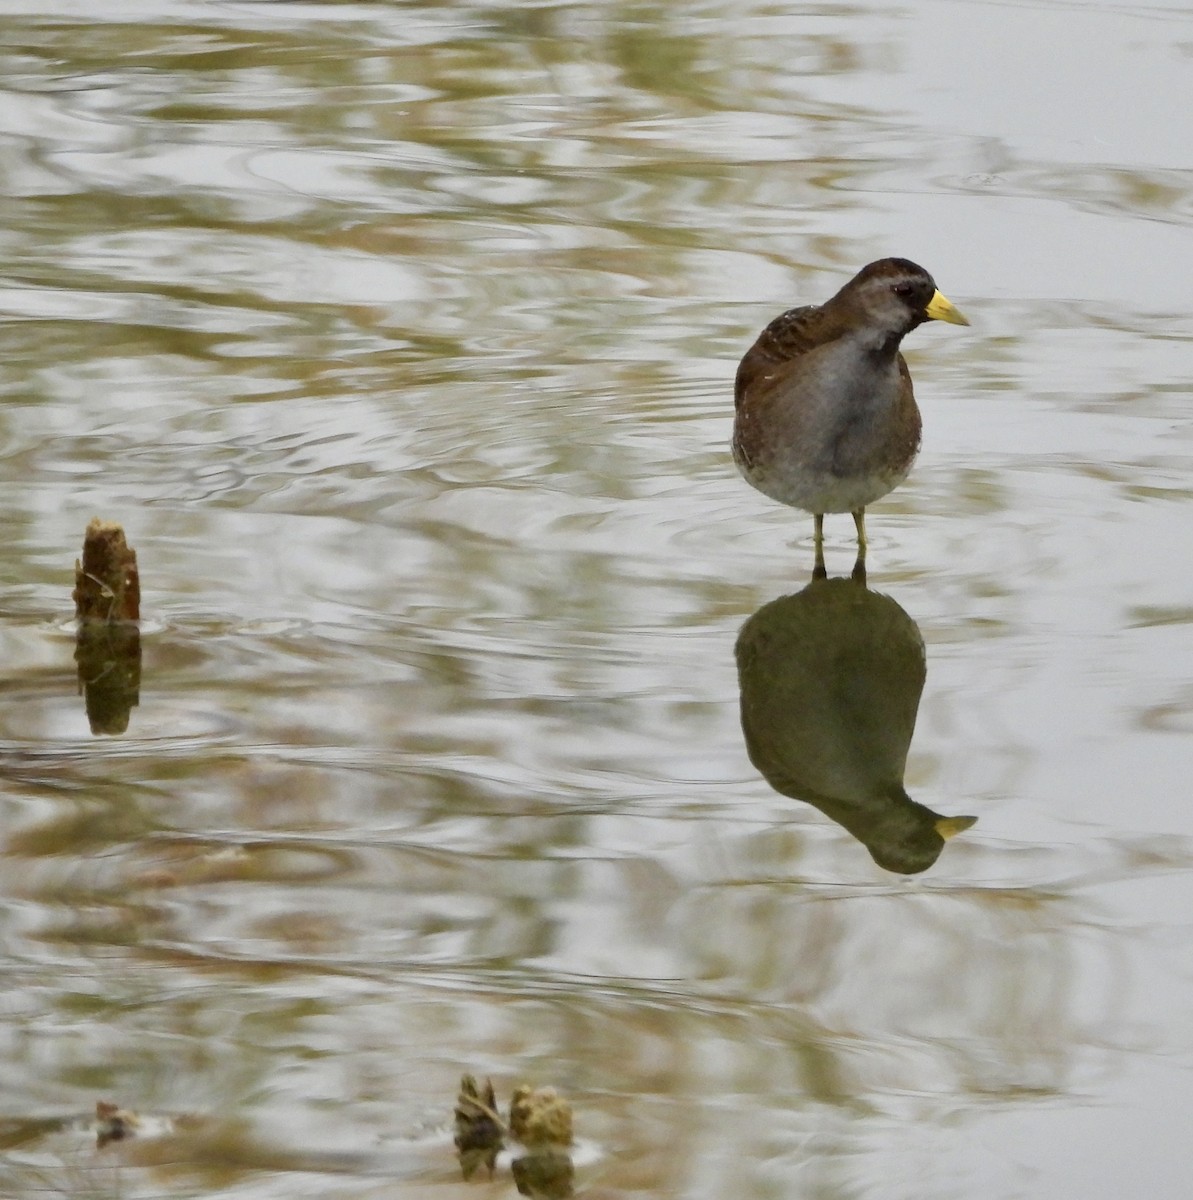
{"x":400,"y":338}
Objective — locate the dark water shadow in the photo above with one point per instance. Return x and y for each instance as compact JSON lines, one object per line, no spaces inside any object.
{"x":830,"y":680}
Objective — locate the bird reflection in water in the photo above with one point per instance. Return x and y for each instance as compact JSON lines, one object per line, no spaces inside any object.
{"x":830,"y":682}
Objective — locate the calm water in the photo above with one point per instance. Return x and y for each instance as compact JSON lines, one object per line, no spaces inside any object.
{"x":400,"y":338}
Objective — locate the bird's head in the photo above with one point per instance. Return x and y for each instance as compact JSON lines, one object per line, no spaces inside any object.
{"x":892,"y":296}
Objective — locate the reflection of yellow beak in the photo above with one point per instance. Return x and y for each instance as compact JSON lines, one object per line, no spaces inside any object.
{"x":949,"y":827}
{"x":941,"y":308}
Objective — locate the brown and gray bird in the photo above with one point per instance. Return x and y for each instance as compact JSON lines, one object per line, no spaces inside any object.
{"x":826,"y":419}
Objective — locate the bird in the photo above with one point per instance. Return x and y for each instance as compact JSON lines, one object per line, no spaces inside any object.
{"x":825,"y":415}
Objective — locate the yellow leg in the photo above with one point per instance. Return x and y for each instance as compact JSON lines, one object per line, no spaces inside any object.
{"x":859,"y":567}
{"x":859,"y":519}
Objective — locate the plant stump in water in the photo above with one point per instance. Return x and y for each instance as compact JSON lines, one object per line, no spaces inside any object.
{"x":108,"y":643}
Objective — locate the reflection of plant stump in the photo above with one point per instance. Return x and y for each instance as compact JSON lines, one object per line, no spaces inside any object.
{"x":107,"y":599}
{"x":544,"y":1174}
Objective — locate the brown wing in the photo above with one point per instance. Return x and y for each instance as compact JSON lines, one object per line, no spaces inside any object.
{"x":795,"y":332}
{"x":907,"y":417}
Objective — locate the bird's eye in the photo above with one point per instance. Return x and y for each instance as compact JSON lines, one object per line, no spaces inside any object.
{"x":903,"y":290}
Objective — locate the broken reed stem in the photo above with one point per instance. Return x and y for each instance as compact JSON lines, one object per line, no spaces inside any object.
{"x":107,"y":585}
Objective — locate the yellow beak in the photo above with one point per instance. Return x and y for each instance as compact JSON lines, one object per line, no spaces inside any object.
{"x":949,"y":827}
{"x":941,"y":308}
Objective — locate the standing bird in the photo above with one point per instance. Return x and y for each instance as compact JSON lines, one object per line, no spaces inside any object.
{"x":826,"y":419}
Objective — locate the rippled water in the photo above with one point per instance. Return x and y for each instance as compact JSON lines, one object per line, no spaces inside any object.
{"x":400,"y":339}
